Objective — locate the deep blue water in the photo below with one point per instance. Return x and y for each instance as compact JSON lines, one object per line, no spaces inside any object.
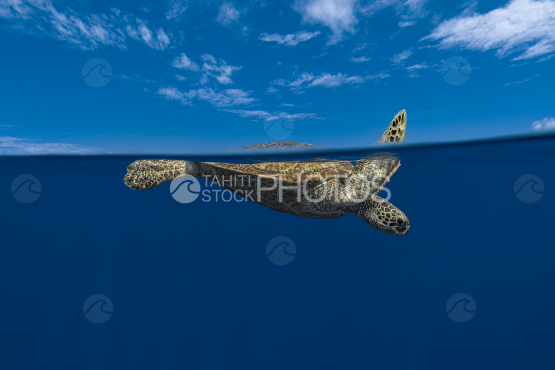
{"x":191,"y":286}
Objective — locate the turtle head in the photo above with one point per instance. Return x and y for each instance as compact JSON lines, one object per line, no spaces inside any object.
{"x":383,"y":216}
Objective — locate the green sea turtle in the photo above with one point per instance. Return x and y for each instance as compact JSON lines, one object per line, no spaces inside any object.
{"x":308,"y":189}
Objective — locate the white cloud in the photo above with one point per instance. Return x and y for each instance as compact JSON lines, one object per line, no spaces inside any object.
{"x":290,"y":39}
{"x":145,"y":33}
{"x":142,"y":32}
{"x":361,"y":47}
{"x":16,"y":145}
{"x":180,"y":77}
{"x":85,"y":31}
{"x":401,"y":57}
{"x":267,"y":116}
{"x":329,"y":80}
{"x":171,"y":93}
{"x":135,"y":78}
{"x":415,"y":8}
{"x":523,"y":26}
{"x":408,"y":8}
{"x":416,"y":66}
{"x":287,"y":105}
{"x":183,"y":62}
{"x":406,"y":24}
{"x":228,"y":98}
{"x":220,"y":71}
{"x":306,"y":80}
{"x":525,"y":80}
{"x":548,"y":123}
{"x":209,"y":58}
{"x":249,"y":113}
{"x":338,"y":15}
{"x":162,"y":38}
{"x":227,"y":14}
{"x":15,"y":9}
{"x":159,"y":41}
{"x":305,"y":77}
{"x":545,"y":58}
{"x":225,"y":98}
{"x":177,"y":8}
{"x":291,"y":117}
{"x":360,"y":59}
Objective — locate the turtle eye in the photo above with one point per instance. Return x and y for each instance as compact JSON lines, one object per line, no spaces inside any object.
{"x":400,"y":220}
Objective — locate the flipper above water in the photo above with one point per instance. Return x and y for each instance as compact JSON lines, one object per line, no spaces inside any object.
{"x":395,"y":133}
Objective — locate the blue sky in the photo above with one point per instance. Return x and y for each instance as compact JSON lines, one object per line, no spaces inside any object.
{"x":202,"y":76}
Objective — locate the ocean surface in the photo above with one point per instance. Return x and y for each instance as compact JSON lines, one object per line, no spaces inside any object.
{"x":94,"y":275}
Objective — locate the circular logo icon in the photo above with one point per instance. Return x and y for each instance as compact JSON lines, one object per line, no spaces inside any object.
{"x":281,"y":250}
{"x":279,"y":129}
{"x":97,"y":72}
{"x":456,"y":70}
{"x":461,"y":307}
{"x":529,"y":188}
{"x":26,"y":188}
{"x":98,"y":308}
{"x":185,"y":188}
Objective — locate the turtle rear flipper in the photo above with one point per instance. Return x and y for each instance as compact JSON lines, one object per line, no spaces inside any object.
{"x":146,"y":174}
{"x":395,"y":133}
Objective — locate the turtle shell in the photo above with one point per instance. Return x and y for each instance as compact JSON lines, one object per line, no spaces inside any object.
{"x":290,"y":171}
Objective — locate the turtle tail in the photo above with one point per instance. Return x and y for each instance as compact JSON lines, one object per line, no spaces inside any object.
{"x":395,"y":133}
{"x":146,"y":174}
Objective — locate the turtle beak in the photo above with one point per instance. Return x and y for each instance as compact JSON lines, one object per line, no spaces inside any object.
{"x":403,"y":225}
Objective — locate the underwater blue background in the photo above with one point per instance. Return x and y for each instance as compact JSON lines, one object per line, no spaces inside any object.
{"x":192,"y":288}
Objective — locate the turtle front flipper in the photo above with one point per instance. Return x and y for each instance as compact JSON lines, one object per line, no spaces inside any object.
{"x":383,"y":216}
{"x":146,"y":174}
{"x":395,"y":133}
